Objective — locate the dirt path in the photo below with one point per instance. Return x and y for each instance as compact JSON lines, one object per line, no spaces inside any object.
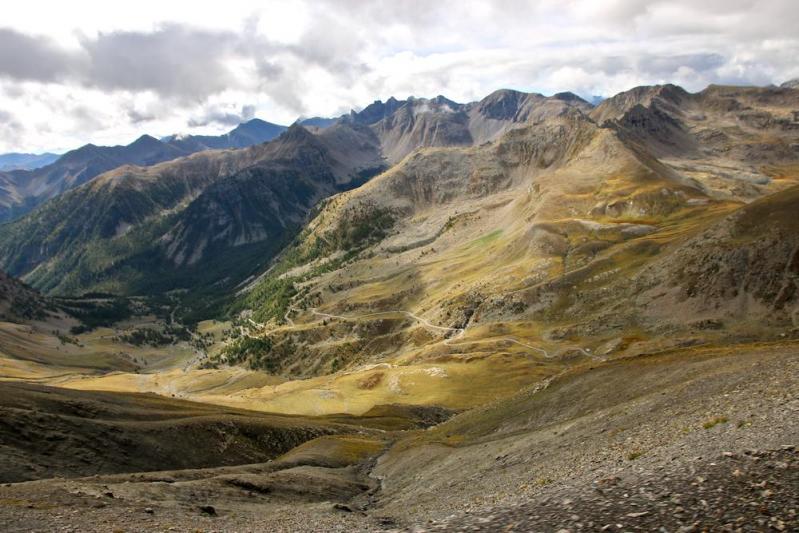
{"x":459,"y":332}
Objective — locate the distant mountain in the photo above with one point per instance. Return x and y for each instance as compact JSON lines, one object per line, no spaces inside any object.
{"x":377,"y":111}
{"x":18,"y":161}
{"x":318,"y":122}
{"x":26,"y":189}
{"x":252,"y":132}
{"x":204,"y":221}
{"x":21,"y":190}
{"x":405,"y":125}
{"x":791,"y":84}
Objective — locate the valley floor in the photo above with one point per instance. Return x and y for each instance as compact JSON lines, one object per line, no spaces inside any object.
{"x":702,"y":439}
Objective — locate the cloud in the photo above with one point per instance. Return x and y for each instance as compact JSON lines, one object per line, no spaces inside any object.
{"x":9,"y":126}
{"x":27,"y":57}
{"x":136,"y":116}
{"x":173,"y":68}
{"x":223,"y":116}
{"x":173,"y":61}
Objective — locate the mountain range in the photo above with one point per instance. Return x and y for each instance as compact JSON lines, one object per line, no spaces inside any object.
{"x":23,"y":189}
{"x":526,"y":312}
{"x":188,"y":215}
{"x":17,"y":161}
{"x":588,"y":225}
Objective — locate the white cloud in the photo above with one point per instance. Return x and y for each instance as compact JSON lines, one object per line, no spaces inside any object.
{"x":107,"y":72}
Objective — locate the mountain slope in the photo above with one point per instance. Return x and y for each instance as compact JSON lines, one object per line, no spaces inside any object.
{"x":66,"y":245}
{"x":403,"y":126}
{"x":82,"y":433}
{"x":450,"y":230}
{"x":19,"y":303}
{"x":528,"y":244}
{"x":743,"y":269}
{"x":213,"y":217}
{"x":737,"y":143}
{"x":79,"y":166}
{"x":549,"y":185}
{"x":17,"y":161}
{"x":660,"y":441}
{"x":26,"y":189}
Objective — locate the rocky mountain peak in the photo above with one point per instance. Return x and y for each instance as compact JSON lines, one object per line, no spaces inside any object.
{"x":502,"y":104}
{"x":569,"y":96}
{"x":146,"y":141}
{"x":616,"y":106}
{"x":296,"y":133}
{"x":377,"y":111}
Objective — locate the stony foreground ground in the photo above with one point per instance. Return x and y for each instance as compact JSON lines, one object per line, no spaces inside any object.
{"x":704,"y":441}
{"x":757,"y":490}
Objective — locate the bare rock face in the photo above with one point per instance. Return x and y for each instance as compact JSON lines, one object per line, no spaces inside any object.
{"x":422,"y":123}
{"x":501,"y":105}
{"x":403,"y":126}
{"x":616,"y":107}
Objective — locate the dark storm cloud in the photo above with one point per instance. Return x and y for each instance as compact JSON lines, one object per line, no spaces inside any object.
{"x":135,"y":116}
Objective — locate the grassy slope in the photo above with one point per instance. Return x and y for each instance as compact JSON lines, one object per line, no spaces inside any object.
{"x":54,"y":431}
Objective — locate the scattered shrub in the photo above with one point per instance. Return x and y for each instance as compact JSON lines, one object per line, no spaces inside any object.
{"x":715,"y":422}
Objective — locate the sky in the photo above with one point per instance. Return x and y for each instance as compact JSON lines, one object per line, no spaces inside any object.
{"x":108,"y":72}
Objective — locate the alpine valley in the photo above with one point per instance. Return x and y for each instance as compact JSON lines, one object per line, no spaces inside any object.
{"x":524,"y":313}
